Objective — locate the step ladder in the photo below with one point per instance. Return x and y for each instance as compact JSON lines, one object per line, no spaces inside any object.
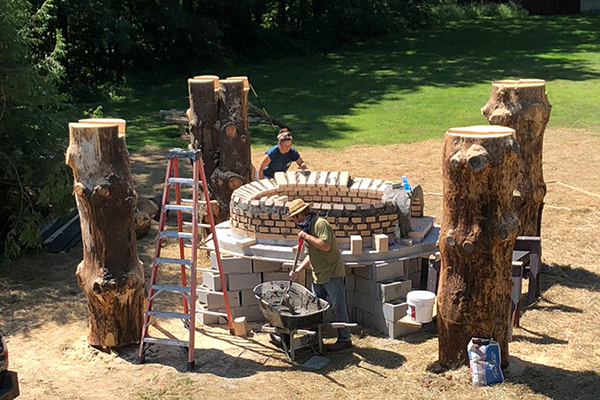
{"x":188,"y":265}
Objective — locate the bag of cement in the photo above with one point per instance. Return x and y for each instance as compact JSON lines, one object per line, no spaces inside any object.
{"x":484,"y":362}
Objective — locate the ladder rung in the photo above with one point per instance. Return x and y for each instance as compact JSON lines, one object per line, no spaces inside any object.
{"x":169,"y":342}
{"x":169,"y":314}
{"x":177,"y":207}
{"x":186,"y":181}
{"x":173,"y":288}
{"x":192,"y":200}
{"x":173,"y":234}
{"x":173,"y":261}
{"x":207,"y":290}
{"x":199,"y":224}
{"x":216,"y":314}
{"x":189,"y":246}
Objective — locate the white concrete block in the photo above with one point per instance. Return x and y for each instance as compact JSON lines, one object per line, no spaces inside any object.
{"x":395,"y":290}
{"x":252,"y":313}
{"x":275,"y":276}
{"x":216,"y":300}
{"x":212,"y":279}
{"x":231,"y":265}
{"x":248,"y":298}
{"x":396,"y":330}
{"x":266,"y":266}
{"x":395,"y":310}
{"x":364,"y":302}
{"x":367,"y":287}
{"x":350,"y":283}
{"x":243,"y":281}
{"x":388,"y":271}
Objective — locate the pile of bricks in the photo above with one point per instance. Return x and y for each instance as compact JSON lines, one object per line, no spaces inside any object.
{"x":353,"y":206}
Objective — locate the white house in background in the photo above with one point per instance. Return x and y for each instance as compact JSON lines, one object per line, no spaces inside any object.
{"x":589,"y":5}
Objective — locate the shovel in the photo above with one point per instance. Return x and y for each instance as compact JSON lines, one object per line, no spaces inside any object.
{"x":286,"y":295}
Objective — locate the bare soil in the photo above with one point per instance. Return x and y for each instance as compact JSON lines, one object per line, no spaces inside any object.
{"x":554,"y":354}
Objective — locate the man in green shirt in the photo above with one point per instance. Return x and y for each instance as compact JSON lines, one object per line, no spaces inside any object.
{"x":328,"y":270}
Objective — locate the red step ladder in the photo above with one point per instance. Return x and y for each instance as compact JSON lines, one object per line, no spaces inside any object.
{"x":188,"y":265}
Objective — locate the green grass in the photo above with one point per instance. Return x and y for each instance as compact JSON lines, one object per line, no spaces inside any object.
{"x":402,"y":88}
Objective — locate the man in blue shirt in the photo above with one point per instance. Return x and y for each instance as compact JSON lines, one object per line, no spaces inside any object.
{"x":279,"y":157}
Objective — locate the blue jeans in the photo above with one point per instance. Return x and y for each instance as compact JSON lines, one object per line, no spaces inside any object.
{"x":334,"y":292}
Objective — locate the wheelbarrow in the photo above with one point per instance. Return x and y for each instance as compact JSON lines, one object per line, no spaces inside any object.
{"x":298,"y":327}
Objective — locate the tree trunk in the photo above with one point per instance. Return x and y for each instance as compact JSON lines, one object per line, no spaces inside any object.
{"x":111,"y":274}
{"x":204,"y":119}
{"x":219,"y":126}
{"x":478,"y":231}
{"x":523,"y":106}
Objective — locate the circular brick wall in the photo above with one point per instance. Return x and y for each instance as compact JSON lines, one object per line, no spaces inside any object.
{"x":353,"y":206}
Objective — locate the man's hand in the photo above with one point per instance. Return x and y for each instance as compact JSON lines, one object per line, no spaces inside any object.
{"x":294,"y":275}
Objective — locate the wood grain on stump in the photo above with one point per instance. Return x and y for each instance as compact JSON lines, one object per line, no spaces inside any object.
{"x":111,"y":274}
{"x":523,"y":106}
{"x":479,"y":227}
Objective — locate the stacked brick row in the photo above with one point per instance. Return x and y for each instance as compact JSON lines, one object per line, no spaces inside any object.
{"x":353,"y":206}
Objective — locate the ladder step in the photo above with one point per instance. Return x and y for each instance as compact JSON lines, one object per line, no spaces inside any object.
{"x":174,"y":234}
{"x":192,"y":200}
{"x":177,"y":207}
{"x":173,"y":261}
{"x":186,"y":181}
{"x":216,"y":314}
{"x":199,"y":224}
{"x":169,"y":342}
{"x":173,"y":288}
{"x":169,"y":314}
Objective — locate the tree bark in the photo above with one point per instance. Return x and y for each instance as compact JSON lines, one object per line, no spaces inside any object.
{"x":111,"y":274}
{"x":523,"y":106}
{"x":204,"y":119}
{"x":478,"y":231}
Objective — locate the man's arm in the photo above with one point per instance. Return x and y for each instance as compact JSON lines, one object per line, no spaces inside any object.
{"x":301,"y":163}
{"x":303,"y":265}
{"x":315,"y":241}
{"x":262,"y":165}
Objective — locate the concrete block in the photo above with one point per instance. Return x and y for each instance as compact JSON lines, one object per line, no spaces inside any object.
{"x":247,"y":298}
{"x":380,"y":242}
{"x":394,"y":311}
{"x":350,"y":299}
{"x":356,"y":244}
{"x":252,"y":313}
{"x":275,"y":276}
{"x":413,"y":265}
{"x":243,"y":281}
{"x":367,"y":287}
{"x":415,"y":279}
{"x":364,"y":302}
{"x":231,"y":265}
{"x":396,"y":330}
{"x":266,"y":266}
{"x":365,"y":273}
{"x":216,"y":300}
{"x":212,"y":280}
{"x":395,"y":290}
{"x":350,"y":283}
{"x":388,"y":271}
{"x":205,"y":319}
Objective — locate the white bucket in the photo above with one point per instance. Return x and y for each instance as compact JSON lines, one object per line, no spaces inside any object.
{"x":420,"y":305}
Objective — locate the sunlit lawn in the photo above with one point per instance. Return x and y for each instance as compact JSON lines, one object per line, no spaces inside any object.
{"x":401,"y":88}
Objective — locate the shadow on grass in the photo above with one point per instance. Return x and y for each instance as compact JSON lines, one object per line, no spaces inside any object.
{"x":565,"y":275}
{"x":555,"y":383}
{"x":540,"y":338}
{"x":304,"y":92}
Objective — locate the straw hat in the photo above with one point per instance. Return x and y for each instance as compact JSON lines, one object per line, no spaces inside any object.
{"x":296,"y":207}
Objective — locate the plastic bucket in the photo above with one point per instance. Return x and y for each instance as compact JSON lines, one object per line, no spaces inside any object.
{"x":420,"y":305}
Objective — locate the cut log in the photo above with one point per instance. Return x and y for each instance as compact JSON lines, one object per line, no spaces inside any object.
{"x":204,"y":121}
{"x":523,"y":106}
{"x":111,"y":274}
{"x":479,"y":228}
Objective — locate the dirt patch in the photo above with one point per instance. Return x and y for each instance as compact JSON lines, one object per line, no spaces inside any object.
{"x":554,"y":353}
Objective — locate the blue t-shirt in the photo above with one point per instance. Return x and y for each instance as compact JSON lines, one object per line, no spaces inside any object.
{"x":279,"y":162}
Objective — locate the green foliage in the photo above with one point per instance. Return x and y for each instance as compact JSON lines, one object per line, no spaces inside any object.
{"x":450,"y":10}
{"x":33,"y":179}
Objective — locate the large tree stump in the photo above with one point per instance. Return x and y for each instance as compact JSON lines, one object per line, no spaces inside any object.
{"x":523,"y":106}
{"x":219,"y":126}
{"x":479,"y":228}
{"x":111,"y":274}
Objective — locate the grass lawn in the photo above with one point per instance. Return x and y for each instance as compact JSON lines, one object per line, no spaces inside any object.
{"x":400,"y":89}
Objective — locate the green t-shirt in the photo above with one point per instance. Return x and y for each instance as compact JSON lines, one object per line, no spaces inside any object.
{"x":325,"y":264}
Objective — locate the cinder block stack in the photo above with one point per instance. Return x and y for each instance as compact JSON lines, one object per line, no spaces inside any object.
{"x":241,"y":276}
